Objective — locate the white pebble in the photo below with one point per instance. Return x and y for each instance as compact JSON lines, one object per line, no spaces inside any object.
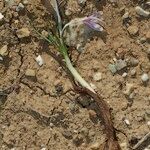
{"x":126,"y":15}
{"x":124,"y":75}
{"x":1,"y":16}
{"x":1,"y":58}
{"x":129,"y":89}
{"x":145,"y":77}
{"x":39,"y":60}
{"x":141,"y":11}
{"x":97,"y":76}
{"x":148,"y":123}
{"x":127,"y":122}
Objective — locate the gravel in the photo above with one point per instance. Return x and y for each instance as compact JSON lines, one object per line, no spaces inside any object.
{"x":145,"y":77}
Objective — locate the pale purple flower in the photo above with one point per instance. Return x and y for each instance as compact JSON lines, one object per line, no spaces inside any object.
{"x":94,"y":22}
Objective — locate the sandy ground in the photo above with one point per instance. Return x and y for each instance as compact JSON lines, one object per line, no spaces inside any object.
{"x":37,"y":114}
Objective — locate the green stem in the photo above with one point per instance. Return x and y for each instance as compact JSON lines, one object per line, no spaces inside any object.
{"x":73,"y":71}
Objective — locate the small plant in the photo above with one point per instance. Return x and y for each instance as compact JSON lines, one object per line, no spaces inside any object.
{"x":57,"y":40}
{"x":94,"y":22}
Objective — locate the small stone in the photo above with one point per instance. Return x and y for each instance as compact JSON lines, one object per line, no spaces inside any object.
{"x":97,"y":76}
{"x":51,"y":125}
{"x":127,"y":122}
{"x":148,"y":123}
{"x":25,"y":2}
{"x":95,"y":146}
{"x":43,"y":148}
{"x":1,"y":58}
{"x":148,"y":36}
{"x":133,"y":30}
{"x":39,"y":60}
{"x":129,"y":89}
{"x":112,"y":68}
{"x":82,"y":2}
{"x":145,"y":77}
{"x":132,"y":95}
{"x":142,"y":40}
{"x":133,"y":72}
{"x":1,"y":16}
{"x":123,"y":146}
{"x":4,"y":50}
{"x":23,"y":32}
{"x":124,"y":74}
{"x":133,"y":62}
{"x":140,"y":11}
{"x":19,"y":7}
{"x":125,"y":16}
{"x":44,"y":33}
{"x":120,"y":64}
{"x":30,"y":72}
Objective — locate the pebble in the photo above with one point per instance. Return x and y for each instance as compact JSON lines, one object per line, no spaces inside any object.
{"x":1,"y":16}
{"x":1,"y":58}
{"x":30,"y":72}
{"x":123,"y":146}
{"x":133,"y":30}
{"x":148,"y":123}
{"x":145,"y":77}
{"x":4,"y":50}
{"x":82,"y":2}
{"x":44,"y":33}
{"x":112,"y":68}
{"x":23,"y":32}
{"x":133,"y":72}
{"x":129,"y":89}
{"x":97,"y":76}
{"x":124,"y":74}
{"x":25,"y":2}
{"x":127,"y":122}
{"x":120,"y":64}
{"x":19,"y":7}
{"x":39,"y":60}
{"x":95,"y":146}
{"x":140,"y":11}
{"x":125,"y":16}
{"x":133,"y":62}
{"x":43,"y":148}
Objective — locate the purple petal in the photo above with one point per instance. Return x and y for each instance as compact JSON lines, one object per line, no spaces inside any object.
{"x":93,"y":23}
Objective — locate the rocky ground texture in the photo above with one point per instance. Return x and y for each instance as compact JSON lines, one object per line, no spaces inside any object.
{"x":38,"y":111}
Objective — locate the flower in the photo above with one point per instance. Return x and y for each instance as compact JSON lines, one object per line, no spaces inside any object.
{"x":94,"y":22}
